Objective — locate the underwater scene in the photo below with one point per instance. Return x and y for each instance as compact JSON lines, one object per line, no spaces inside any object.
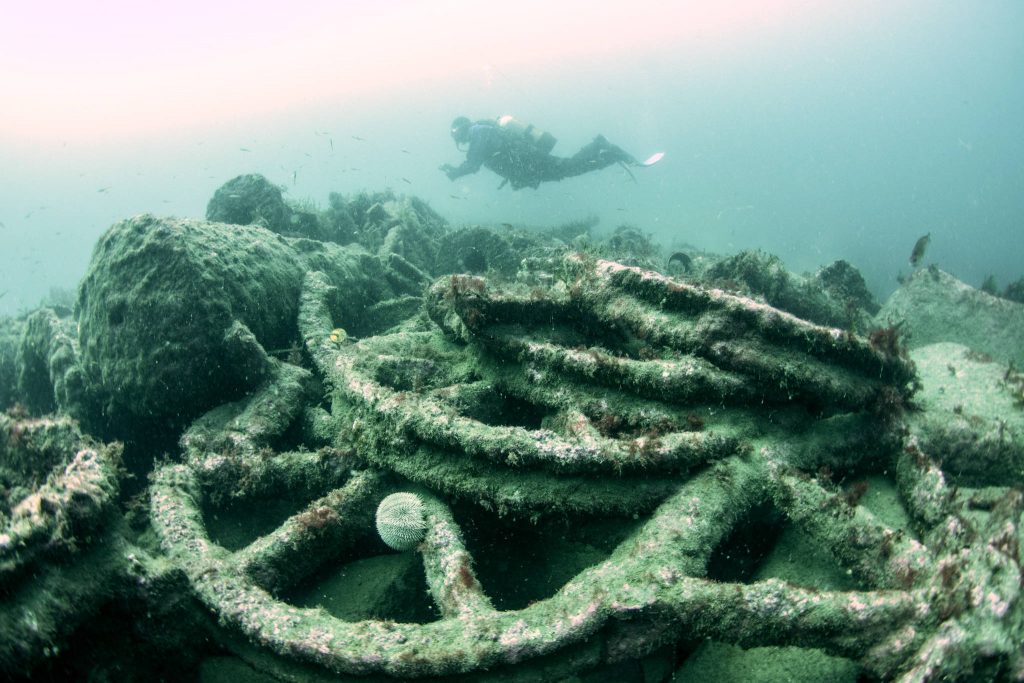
{"x":544,"y":342}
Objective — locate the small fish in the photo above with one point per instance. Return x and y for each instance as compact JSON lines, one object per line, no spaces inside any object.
{"x":405,"y":151}
{"x":919,"y":248}
{"x":234,"y":196}
{"x":2,"y":226}
{"x":455,"y":196}
{"x":3,"y":294}
{"x":406,"y":180}
{"x":102,"y":189}
{"x":331,"y":140}
{"x":356,"y":137}
{"x":244,"y":149}
{"x":295,"y":174}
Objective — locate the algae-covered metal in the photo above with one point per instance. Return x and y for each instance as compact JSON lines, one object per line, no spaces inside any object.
{"x":620,"y":391}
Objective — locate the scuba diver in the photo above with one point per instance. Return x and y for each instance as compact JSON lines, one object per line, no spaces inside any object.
{"x":521,"y":154}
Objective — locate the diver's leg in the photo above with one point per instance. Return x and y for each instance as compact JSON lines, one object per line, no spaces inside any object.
{"x":594,"y":156}
{"x":612,"y":154}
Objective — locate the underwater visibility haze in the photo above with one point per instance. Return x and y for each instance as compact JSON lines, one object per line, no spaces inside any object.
{"x":815,"y":131}
{"x":316,"y":364}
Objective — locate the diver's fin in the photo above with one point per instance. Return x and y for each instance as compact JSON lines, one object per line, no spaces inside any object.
{"x":653,"y":159}
{"x":649,"y":161}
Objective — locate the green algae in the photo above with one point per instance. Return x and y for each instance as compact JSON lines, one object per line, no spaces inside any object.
{"x":594,"y":439}
{"x":969,"y":416}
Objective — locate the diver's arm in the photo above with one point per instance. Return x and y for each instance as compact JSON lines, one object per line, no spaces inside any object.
{"x":465,"y":168}
{"x":482,"y":142}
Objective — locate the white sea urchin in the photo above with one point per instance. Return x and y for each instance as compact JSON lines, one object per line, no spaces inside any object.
{"x":400,"y":521}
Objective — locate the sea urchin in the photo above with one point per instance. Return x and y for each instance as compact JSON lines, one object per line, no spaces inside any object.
{"x":400,"y":520}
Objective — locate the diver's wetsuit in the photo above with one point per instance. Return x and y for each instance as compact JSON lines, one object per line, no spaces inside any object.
{"x":485,"y":141}
{"x":522,"y":164}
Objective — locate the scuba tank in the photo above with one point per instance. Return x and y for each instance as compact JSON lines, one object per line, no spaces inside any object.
{"x":540,"y":139}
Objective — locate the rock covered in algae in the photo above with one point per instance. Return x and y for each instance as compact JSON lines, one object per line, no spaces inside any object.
{"x":383,"y":222}
{"x":50,"y":378}
{"x":933,"y":306}
{"x":836,"y":295}
{"x":631,"y":246}
{"x":846,"y":286}
{"x":476,"y":250}
{"x":250,"y":199}
{"x":1015,"y":291}
{"x":176,"y":315}
{"x":157,"y":300}
{"x":971,"y":415}
{"x":10,"y":335}
{"x":386,"y":223}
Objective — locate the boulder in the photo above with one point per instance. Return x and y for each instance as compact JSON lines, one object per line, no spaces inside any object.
{"x":933,"y":306}
{"x":971,"y":415}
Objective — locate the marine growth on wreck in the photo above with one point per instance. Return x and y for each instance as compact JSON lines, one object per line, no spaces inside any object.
{"x":361,"y":444}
